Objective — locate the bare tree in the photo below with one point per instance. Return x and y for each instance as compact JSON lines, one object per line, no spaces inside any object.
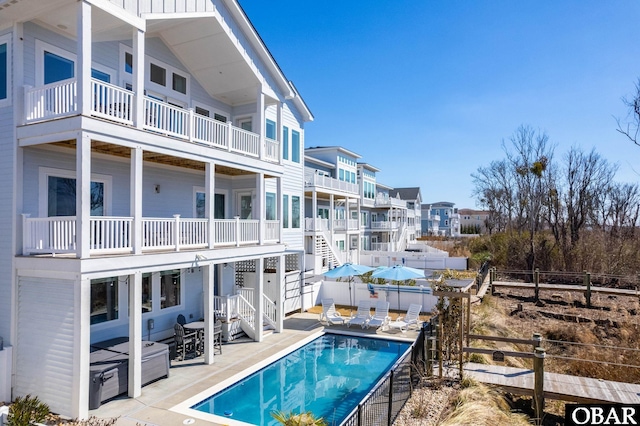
{"x":630,"y":127}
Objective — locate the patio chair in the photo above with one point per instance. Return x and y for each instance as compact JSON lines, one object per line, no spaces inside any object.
{"x":329,"y":313}
{"x":380,"y":315}
{"x":217,"y":336}
{"x":363,"y":315}
{"x":181,"y":320}
{"x":185,"y":343}
{"x":403,"y":322}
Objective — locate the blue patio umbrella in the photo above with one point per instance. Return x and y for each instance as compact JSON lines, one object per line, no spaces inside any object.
{"x":348,"y":270}
{"x":398,"y":273}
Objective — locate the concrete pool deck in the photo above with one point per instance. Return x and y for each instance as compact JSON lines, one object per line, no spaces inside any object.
{"x":190,"y":377}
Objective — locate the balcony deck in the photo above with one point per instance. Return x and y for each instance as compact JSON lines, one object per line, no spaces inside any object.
{"x":115,"y":235}
{"x":115,"y":104}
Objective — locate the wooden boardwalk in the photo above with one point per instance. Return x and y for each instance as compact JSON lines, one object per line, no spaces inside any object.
{"x":556,"y":386}
{"x":564,"y":287}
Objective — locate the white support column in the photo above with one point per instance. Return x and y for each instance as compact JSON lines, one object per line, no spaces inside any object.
{"x":82,"y":341}
{"x":280,"y":294}
{"x":207,"y":287}
{"x":279,"y":209}
{"x":257,"y":296}
{"x":209,"y":201}
{"x":138,"y":77}
{"x":135,"y":335}
{"x":84,"y":58}
{"x":331,"y":215}
{"x":135,"y":204}
{"x":260,"y":206}
{"x":314,"y":209}
{"x":279,"y":130}
{"x":303,"y":307}
{"x":259,"y":128}
{"x":83,"y":194}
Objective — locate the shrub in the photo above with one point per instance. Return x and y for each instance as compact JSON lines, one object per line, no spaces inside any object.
{"x":302,"y":419}
{"x":27,"y":410}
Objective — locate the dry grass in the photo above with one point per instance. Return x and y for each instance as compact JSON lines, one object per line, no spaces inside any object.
{"x":477,"y":404}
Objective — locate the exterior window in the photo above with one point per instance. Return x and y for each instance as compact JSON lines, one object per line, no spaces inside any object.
{"x":219,"y":117}
{"x":147,"y":305}
{"x":363,"y":218}
{"x":285,"y":211}
{"x":179,"y":83}
{"x":295,"y":146}
{"x":57,"y":68}
{"x":169,"y":288}
{"x":295,"y":211}
{"x":62,"y":197}
{"x":340,"y":245}
{"x":285,"y":142}
{"x":270,"y":205}
{"x":340,"y":174}
{"x":202,"y":111}
{"x":4,"y":71}
{"x":270,"y":130}
{"x":158,"y":75}
{"x":354,"y":242}
{"x":128,"y":63}
{"x":200,"y":201}
{"x":323,"y":213}
{"x":99,"y":75}
{"x":104,"y":300}
{"x":218,"y":207}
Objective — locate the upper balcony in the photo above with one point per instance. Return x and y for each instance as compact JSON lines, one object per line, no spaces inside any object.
{"x":116,"y":104}
{"x":318,"y":181}
{"x":117,"y":235}
{"x":383,"y":200}
{"x":384,"y":225}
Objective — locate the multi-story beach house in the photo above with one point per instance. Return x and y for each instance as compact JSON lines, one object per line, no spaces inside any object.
{"x":448,"y":218}
{"x":348,"y":211}
{"x":153,"y":167}
{"x":332,"y":207}
{"x":473,"y":221}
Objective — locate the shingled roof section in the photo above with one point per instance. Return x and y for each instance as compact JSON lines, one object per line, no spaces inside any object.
{"x":405,"y":193}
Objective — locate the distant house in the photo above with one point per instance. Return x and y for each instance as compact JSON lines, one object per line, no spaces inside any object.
{"x":473,"y":221}
{"x":442,"y":218}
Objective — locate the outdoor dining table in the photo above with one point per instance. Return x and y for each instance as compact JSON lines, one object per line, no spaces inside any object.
{"x":198,"y":327}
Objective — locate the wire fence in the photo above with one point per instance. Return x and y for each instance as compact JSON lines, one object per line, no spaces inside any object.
{"x":572,"y":277}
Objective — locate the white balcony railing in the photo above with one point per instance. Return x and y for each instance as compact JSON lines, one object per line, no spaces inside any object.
{"x":384,"y":225}
{"x":116,"y":104}
{"x":382,"y":246}
{"x":312,"y":179}
{"x":386,"y":201}
{"x":317,"y":224}
{"x":115,"y":234}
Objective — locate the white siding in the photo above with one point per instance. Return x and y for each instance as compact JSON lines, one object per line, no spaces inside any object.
{"x":7,"y":168}
{"x":45,"y":344}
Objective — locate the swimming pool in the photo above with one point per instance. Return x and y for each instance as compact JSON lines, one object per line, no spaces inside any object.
{"x":328,"y":376}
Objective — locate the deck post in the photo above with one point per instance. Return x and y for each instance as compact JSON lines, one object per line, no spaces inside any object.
{"x":538,"y":389}
{"x":587,"y":283}
{"x":468,"y":322}
{"x":536,"y":280}
{"x":439,"y":346}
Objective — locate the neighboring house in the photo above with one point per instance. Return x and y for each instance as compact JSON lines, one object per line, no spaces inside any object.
{"x":473,"y":221}
{"x":332,"y":207}
{"x":449,"y":218}
{"x":414,"y":211}
{"x":152,"y":160}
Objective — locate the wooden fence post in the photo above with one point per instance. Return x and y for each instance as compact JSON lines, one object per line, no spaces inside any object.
{"x":538,"y":340}
{"x":440,"y":333}
{"x":461,"y":336}
{"x":536,"y":280}
{"x":492,"y":280}
{"x":538,"y":389}
{"x":587,"y":283}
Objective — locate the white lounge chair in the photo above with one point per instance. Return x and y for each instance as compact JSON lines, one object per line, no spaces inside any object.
{"x":380,"y":316}
{"x":329,"y":313}
{"x":402,"y":323}
{"x":363,"y":315}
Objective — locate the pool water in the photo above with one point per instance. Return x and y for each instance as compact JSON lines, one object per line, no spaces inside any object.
{"x":328,"y":377}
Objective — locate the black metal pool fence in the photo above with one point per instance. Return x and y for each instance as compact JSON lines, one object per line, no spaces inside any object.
{"x":382,"y":405}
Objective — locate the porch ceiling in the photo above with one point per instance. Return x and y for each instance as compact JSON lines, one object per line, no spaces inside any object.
{"x":125,"y":152}
{"x":202,"y":44}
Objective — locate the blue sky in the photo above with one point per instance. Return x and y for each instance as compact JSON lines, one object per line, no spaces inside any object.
{"x":427,"y":90}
